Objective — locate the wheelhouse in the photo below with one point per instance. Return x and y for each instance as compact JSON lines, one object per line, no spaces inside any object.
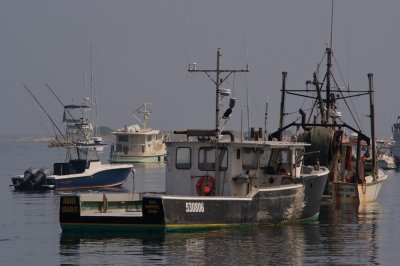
{"x":234,"y":168}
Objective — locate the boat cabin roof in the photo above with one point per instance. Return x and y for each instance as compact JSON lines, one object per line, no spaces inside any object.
{"x":204,"y":137}
{"x":135,"y":130}
{"x":74,"y":106}
{"x":246,"y":143}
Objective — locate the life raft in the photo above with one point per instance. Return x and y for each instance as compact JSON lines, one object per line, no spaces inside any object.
{"x":206,"y":186}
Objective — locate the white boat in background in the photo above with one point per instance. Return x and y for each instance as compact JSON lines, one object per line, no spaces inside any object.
{"x":82,"y":168}
{"x":386,"y":162}
{"x":135,"y":144}
{"x":385,"y":158}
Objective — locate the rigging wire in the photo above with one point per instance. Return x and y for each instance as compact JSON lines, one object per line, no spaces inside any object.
{"x":356,"y":118}
{"x":296,"y":112}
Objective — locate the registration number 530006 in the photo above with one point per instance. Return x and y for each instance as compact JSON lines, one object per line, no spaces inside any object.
{"x":194,"y":206}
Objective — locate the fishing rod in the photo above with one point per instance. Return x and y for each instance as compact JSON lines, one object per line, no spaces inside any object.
{"x":44,"y":110}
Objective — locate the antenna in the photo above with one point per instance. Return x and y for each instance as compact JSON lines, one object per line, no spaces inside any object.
{"x":265,"y":119}
{"x":247,"y":62}
{"x":93,"y":97}
{"x":330,"y":46}
{"x":247,"y":104}
{"x":189,"y":30}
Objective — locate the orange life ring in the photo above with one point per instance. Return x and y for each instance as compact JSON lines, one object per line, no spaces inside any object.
{"x":206,"y":186}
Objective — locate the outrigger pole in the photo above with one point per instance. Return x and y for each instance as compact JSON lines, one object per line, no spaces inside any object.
{"x":44,"y":110}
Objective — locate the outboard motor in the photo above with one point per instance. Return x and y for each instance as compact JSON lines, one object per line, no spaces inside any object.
{"x":30,"y":174}
{"x":41,"y":176}
{"x":33,"y":180}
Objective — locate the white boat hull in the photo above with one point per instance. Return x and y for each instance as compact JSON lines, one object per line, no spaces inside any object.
{"x":343,"y":192}
{"x":138,"y":159}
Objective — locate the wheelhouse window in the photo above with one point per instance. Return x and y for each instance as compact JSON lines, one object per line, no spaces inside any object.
{"x":207,"y":158}
{"x":118,"y":148}
{"x":283,"y":156}
{"x":250,"y":158}
{"x":265,"y":157}
{"x":183,"y":158}
{"x":280,"y":161}
{"x":137,"y":139}
{"x":123,"y":138}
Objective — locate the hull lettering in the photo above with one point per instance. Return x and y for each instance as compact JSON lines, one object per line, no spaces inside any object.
{"x":194,"y":206}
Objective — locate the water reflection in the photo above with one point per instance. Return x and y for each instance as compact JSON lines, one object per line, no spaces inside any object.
{"x":112,"y":249}
{"x":350,"y":232}
{"x":255,"y":246}
{"x":148,"y":177}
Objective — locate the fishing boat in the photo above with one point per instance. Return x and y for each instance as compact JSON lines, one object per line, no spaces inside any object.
{"x":345,"y":147}
{"x":214,"y":178}
{"x":82,"y":168}
{"x":136,"y":144}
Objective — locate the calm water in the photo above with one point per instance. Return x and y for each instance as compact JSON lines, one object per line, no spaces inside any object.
{"x":30,"y":233}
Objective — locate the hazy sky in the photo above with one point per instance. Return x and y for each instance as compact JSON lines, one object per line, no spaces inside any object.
{"x":141,"y":51}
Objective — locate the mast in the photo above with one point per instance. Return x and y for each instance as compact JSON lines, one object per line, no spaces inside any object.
{"x":328,"y":84}
{"x":281,"y":118}
{"x":329,"y":71}
{"x":146,"y":111}
{"x":265,"y":119}
{"x":218,"y":81}
{"x":93,"y":98}
{"x":318,"y":88}
{"x":372,"y":117}
{"x":146,"y":114}
{"x":218,"y":91}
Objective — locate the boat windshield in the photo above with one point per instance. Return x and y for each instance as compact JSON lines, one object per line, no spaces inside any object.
{"x":277,"y":161}
{"x":87,"y":154}
{"x":207,"y":159}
